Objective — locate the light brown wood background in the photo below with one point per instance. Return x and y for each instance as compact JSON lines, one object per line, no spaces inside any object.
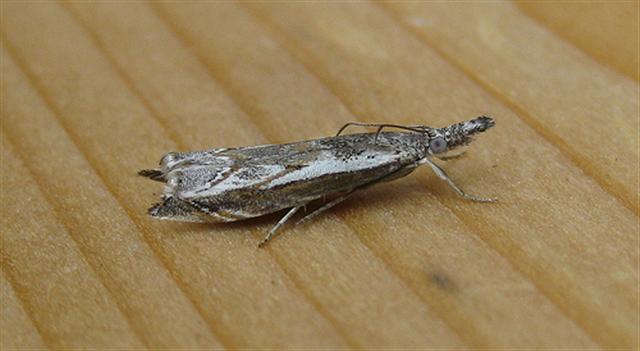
{"x":94,"y":91}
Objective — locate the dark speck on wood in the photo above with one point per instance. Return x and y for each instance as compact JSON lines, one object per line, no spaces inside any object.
{"x":443,"y":282}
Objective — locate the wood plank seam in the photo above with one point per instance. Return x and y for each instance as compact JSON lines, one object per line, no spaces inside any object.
{"x":58,"y":215}
{"x":612,"y":186}
{"x":281,"y":35}
{"x":144,"y":234}
{"x":178,"y":140}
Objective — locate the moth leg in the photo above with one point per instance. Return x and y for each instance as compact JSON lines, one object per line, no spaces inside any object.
{"x":443,"y":175}
{"x":452,"y":157}
{"x":281,"y":222}
{"x":389,"y":176}
{"x":325,"y":207}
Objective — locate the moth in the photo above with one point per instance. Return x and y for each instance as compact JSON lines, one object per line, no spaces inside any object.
{"x":231,"y":184}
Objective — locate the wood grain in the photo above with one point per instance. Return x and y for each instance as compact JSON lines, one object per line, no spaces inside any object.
{"x":94,"y":91}
{"x":16,"y":326}
{"x":540,"y":81}
{"x":595,"y":27}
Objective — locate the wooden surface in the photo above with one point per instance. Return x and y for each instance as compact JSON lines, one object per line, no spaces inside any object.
{"x":94,"y":91}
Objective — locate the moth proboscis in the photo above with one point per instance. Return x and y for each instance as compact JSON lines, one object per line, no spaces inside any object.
{"x":231,"y":184}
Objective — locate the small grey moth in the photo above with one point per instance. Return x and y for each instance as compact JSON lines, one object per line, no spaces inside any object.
{"x":231,"y":184}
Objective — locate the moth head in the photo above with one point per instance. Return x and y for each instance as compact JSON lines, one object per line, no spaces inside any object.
{"x":448,"y":138}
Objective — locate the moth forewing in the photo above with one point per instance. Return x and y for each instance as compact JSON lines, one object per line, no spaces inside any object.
{"x":244,"y":183}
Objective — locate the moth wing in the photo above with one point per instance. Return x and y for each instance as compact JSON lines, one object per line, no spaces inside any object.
{"x":210,"y":180}
{"x":191,"y":177}
{"x":273,"y":187}
{"x":174,"y":209}
{"x":249,"y":182}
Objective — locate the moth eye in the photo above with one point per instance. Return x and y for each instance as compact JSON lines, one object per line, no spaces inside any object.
{"x":438,"y":145}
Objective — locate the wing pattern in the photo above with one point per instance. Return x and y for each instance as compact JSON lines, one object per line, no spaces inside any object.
{"x":231,"y":184}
